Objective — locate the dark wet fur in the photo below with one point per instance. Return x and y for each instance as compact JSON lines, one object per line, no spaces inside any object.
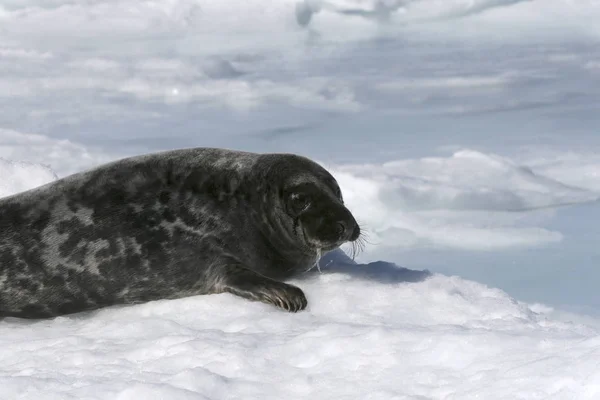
{"x":161,"y":226}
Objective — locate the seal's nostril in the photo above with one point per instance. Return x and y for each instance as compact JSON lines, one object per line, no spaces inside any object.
{"x":341,"y":229}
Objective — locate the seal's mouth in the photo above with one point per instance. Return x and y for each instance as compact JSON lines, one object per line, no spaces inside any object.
{"x":337,"y":236}
{"x":300,"y":232}
{"x":323,"y":228}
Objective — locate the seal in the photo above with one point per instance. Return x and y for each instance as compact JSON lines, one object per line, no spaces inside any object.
{"x":169,"y":225}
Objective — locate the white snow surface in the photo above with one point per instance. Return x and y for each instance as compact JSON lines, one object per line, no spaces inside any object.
{"x":18,"y":176}
{"x":17,"y":148}
{"x":469,"y":201}
{"x":245,"y":23}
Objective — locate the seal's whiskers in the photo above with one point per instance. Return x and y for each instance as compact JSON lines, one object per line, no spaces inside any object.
{"x":317,"y":262}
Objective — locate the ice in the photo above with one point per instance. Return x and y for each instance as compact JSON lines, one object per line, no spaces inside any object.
{"x":62,"y":156}
{"x":231,"y":25}
{"x":19,"y":176}
{"x":578,"y":169}
{"x":469,"y":200}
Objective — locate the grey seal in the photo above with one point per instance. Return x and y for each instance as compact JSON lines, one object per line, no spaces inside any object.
{"x":169,"y":225}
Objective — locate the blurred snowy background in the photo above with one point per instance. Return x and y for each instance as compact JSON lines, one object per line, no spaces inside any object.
{"x":465,"y":135}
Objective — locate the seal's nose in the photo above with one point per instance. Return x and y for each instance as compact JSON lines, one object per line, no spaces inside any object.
{"x":348,"y":231}
{"x":341,"y":229}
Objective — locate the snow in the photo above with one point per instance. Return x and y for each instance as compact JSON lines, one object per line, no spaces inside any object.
{"x":464,"y":134}
{"x":18,"y":176}
{"x":465,"y":201}
{"x":59,"y":155}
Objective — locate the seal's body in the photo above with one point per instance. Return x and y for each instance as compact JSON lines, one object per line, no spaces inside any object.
{"x":169,"y":225}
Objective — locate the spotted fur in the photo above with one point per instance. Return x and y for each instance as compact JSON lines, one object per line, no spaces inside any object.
{"x":165,"y":226}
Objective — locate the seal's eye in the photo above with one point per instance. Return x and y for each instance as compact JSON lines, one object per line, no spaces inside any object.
{"x":299,"y":202}
{"x":338,"y":193}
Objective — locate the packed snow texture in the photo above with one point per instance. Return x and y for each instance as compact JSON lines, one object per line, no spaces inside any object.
{"x":245,"y":23}
{"x":470,"y":200}
{"x":18,"y":176}
{"x":222,"y":53}
{"x":255,"y":74}
{"x":59,"y":155}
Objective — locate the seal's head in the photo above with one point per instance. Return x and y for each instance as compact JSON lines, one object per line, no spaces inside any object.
{"x":314,"y":214}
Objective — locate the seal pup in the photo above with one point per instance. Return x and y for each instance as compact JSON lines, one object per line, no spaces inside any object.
{"x":169,"y":225}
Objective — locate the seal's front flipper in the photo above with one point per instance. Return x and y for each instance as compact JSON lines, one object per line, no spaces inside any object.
{"x":252,"y":286}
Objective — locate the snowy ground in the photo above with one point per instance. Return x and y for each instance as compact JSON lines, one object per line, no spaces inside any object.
{"x":465,"y":136}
